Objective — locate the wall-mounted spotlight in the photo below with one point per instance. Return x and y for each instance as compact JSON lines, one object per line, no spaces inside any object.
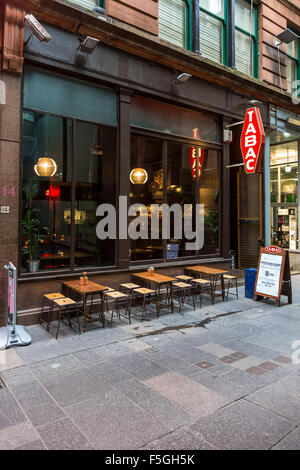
{"x":286,"y":37}
{"x":182,"y":78}
{"x":88,"y":44}
{"x":36,"y":28}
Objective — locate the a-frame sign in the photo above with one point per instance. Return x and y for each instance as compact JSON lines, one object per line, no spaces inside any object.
{"x":273,"y":277}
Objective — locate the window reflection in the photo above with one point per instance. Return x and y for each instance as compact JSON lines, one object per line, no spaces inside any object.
{"x":146,"y":153}
{"x":95,"y":172}
{"x":46,"y":136}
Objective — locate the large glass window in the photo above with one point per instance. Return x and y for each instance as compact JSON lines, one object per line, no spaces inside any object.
{"x":174,"y":22}
{"x":191,"y":175}
{"x":69,"y":168}
{"x":246,"y":37}
{"x":212,"y":30}
{"x":284,"y":195}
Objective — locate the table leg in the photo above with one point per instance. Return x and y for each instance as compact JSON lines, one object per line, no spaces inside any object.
{"x":84,"y":322}
{"x":171,"y":297}
{"x":223,"y":287}
{"x":102,"y":310}
{"x":158,"y":301}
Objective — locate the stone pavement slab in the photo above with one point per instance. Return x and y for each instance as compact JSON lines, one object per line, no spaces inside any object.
{"x":180,"y":440}
{"x":242,"y":425}
{"x":74,"y":386}
{"x":10,"y":411}
{"x":281,"y":397}
{"x":17,"y":435}
{"x":195,"y":398}
{"x":112,"y":421}
{"x":290,"y":442}
{"x":63,"y":435}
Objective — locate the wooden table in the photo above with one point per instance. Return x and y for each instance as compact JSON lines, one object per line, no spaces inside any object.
{"x":159,"y":280}
{"x":90,"y":288}
{"x":212,"y":273}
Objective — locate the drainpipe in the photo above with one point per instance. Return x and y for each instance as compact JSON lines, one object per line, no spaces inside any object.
{"x":267,"y":190}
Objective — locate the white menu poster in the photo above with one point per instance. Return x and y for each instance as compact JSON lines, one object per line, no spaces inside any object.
{"x":268,"y":281}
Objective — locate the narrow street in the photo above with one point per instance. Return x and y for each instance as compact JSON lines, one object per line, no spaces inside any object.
{"x":217,"y":378}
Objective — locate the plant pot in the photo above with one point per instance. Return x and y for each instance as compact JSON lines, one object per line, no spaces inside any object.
{"x":33,"y":266}
{"x":83,"y":281}
{"x":150,"y":272}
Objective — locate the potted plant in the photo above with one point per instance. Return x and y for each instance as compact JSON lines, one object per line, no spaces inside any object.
{"x":211,"y":221}
{"x":84,"y":279}
{"x":32,"y":229}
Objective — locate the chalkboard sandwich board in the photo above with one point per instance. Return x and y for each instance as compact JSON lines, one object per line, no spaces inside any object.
{"x":273,"y":277}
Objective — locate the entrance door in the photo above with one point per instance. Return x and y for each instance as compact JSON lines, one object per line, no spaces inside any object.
{"x":249,"y":218}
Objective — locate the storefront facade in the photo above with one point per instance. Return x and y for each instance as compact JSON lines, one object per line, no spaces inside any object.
{"x":94,"y":119}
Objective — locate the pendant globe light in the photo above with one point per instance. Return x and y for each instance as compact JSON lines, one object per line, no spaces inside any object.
{"x":45,"y":166}
{"x":138,"y":175}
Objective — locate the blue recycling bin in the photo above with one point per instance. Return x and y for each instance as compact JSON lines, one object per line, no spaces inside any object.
{"x":250,"y":277}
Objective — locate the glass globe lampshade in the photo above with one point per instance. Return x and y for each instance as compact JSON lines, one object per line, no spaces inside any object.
{"x":138,"y":176}
{"x":45,"y":166}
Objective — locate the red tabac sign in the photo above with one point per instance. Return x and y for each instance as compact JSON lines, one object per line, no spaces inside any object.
{"x":252,"y":140}
{"x":194,"y":153}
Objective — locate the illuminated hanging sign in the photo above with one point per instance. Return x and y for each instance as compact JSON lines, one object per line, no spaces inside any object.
{"x":252,"y":140}
{"x":194,"y":153}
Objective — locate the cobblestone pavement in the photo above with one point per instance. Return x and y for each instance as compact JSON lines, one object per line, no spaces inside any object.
{"x":220,"y":377}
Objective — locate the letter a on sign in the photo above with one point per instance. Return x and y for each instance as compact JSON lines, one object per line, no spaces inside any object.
{"x":252,"y":140}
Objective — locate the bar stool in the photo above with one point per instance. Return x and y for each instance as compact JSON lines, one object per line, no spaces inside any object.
{"x":129,"y":286}
{"x":120,"y":300}
{"x":183,"y":277}
{"x":48,"y":299}
{"x":181,"y":290}
{"x":148,"y":296}
{"x":232,"y":282}
{"x":65,"y":307}
{"x":198,"y":289}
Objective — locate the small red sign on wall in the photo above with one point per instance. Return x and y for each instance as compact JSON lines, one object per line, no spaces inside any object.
{"x":252,"y":140}
{"x":273,"y":249}
{"x":194,"y":152}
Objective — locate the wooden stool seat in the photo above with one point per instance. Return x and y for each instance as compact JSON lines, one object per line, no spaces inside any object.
{"x":115,"y":294}
{"x":144,"y":290}
{"x":183,"y":277}
{"x":108,"y":289}
{"x":63,"y":302}
{"x":229,"y":276}
{"x":181,"y":284}
{"x":202,"y":281}
{"x":130,"y":285}
{"x":55,"y":295}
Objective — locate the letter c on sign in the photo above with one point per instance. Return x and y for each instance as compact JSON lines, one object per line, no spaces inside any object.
{"x":250,"y":168}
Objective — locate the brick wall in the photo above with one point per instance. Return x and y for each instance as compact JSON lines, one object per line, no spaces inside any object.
{"x":141,"y":14}
{"x":11,"y":45}
{"x":274,"y":17}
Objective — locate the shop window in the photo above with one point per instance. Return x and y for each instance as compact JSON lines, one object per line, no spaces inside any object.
{"x":88,"y":4}
{"x":181,"y":184}
{"x":175,"y":22}
{"x":246,"y":37}
{"x":209,"y":187}
{"x":292,"y":66}
{"x":173,"y":120}
{"x":68,"y":170}
{"x":284,"y":195}
{"x":146,"y":154}
{"x":191,"y":176}
{"x":212,"y":30}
